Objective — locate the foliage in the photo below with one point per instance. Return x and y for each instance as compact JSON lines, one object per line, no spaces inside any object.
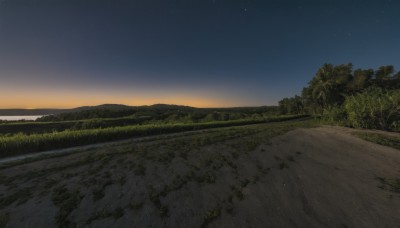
{"x":101,"y":167}
{"x":374,"y":108}
{"x":47,"y":127}
{"x":334,"y":114}
{"x":174,"y":113}
{"x":22,"y":143}
{"x":141,"y":115}
{"x":386,"y":140}
{"x":363,"y":97}
{"x":292,"y":105}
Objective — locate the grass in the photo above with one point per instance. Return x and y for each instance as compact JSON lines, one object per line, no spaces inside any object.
{"x":385,"y":140}
{"x":154,"y":197}
{"x":196,"y":141}
{"x":98,"y":192}
{"x":22,"y":143}
{"x":48,"y":127}
{"x":116,"y":214}
{"x":211,"y":216}
{"x":20,"y":197}
{"x":136,"y":161}
{"x":390,"y":184}
{"x":238,"y":192}
{"x":67,"y":201}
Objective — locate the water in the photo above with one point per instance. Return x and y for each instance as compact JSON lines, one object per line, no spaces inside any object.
{"x":19,"y":117}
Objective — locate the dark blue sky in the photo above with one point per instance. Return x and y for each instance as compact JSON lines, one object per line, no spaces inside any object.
{"x":202,"y":53}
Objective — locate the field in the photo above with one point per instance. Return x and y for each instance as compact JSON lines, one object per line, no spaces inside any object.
{"x":199,"y":114}
{"x":12,"y":143}
{"x":286,"y":174}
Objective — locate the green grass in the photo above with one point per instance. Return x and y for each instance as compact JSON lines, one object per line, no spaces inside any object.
{"x":67,"y":201}
{"x":35,"y":127}
{"x":21,"y":143}
{"x":48,"y":127}
{"x":134,"y":161}
{"x":386,"y":140}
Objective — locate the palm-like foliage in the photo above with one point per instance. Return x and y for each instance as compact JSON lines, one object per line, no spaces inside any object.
{"x":384,"y":72}
{"x":331,"y":85}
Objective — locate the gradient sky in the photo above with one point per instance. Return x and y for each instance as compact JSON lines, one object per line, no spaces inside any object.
{"x":205,"y":53}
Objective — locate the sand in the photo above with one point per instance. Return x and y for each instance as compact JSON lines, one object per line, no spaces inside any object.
{"x":314,"y":177}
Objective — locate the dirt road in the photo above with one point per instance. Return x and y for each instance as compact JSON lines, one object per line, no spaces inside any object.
{"x":308,"y":177}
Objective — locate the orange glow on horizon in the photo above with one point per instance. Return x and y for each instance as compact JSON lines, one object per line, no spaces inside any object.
{"x":56,"y":102}
{"x":36,"y":97}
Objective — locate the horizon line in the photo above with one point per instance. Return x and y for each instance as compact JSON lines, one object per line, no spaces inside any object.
{"x":74,"y":107}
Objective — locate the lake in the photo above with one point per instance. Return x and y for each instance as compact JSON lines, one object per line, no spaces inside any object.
{"x":19,"y":117}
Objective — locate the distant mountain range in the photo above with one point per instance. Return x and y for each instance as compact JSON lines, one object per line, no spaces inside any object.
{"x":39,"y":112}
{"x":166,"y":107}
{"x":45,"y":111}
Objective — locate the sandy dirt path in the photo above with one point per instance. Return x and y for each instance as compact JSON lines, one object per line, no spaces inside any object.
{"x":308,"y":177}
{"x":332,"y":183}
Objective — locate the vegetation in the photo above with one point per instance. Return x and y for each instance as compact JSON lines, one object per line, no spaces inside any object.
{"x":22,"y":143}
{"x":84,"y":181}
{"x":18,"y":197}
{"x":8,"y":128}
{"x":166,"y":113}
{"x":113,"y":116}
{"x":374,"y":108}
{"x":67,"y":201}
{"x":390,"y":184}
{"x":386,"y":140}
{"x":210,"y":216}
{"x":362,"y":98}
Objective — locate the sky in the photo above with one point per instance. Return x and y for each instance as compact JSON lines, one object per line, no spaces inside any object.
{"x":202,"y":53}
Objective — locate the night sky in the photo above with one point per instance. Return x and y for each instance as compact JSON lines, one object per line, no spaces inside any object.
{"x":204,"y":53}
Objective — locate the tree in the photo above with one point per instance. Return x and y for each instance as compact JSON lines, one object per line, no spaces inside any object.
{"x":384,"y":72}
{"x":293,"y":105}
{"x":397,"y":76}
{"x":332,"y":87}
{"x":330,"y":84}
{"x":362,"y":79}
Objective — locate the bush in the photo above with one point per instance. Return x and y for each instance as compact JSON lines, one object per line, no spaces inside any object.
{"x":336,"y":114}
{"x":374,"y":108}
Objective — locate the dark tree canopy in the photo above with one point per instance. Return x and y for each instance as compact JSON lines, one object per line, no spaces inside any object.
{"x":332,"y":84}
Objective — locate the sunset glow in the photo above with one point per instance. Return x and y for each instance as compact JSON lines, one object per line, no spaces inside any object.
{"x":64,"y":54}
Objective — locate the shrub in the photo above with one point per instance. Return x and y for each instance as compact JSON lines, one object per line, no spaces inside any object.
{"x":336,"y":114}
{"x":374,"y":108}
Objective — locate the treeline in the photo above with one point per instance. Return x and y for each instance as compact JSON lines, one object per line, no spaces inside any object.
{"x":365,"y":98}
{"x":166,"y":113}
{"x":124,"y":116}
